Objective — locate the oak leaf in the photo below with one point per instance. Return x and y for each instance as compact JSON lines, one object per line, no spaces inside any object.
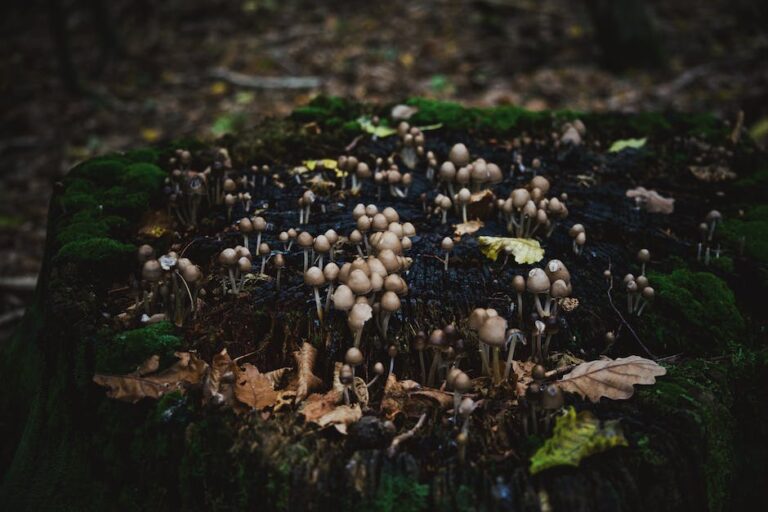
{"x":611,"y":378}
{"x":254,"y":388}
{"x":525,"y":250}
{"x":341,"y":417}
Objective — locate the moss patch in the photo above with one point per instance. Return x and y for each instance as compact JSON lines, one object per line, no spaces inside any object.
{"x":694,"y":312}
{"x":129,"y":349}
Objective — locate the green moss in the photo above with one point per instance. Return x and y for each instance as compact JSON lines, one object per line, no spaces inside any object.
{"x":83,"y":225}
{"x":399,"y":493}
{"x":694,"y":312}
{"x":696,"y":398}
{"x":100,"y":254}
{"x":143,"y":177}
{"x":330,"y":111}
{"x":129,"y":349}
{"x":753,"y":229}
{"x":146,"y":155}
{"x":101,"y":171}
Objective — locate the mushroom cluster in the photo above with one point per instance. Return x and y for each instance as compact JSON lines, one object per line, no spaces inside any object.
{"x":459,"y":172}
{"x":639,"y":293}
{"x":707,"y":233}
{"x":236,"y":264}
{"x":170,"y":285}
{"x":410,"y":144}
{"x":528,"y":210}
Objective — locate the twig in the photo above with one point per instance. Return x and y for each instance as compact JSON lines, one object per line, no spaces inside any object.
{"x":400,"y":439}
{"x":18,"y":283}
{"x":629,"y":327}
{"x":265,"y":82}
{"x":11,"y":316}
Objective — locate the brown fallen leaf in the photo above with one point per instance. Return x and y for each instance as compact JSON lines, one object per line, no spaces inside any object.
{"x":481,"y":204}
{"x":305,"y":381}
{"x":151,"y":365}
{"x":394,"y":398}
{"x":341,"y":417}
{"x":218,"y":386}
{"x":254,"y":388}
{"x":189,"y":369}
{"x":425,"y":400}
{"x":318,"y":405}
{"x":611,"y":378}
{"x":712,"y":173}
{"x":467,"y":228}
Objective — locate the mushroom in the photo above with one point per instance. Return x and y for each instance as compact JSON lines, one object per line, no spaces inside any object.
{"x":305,"y":241}
{"x":390,"y":303}
{"x":314,"y":277}
{"x":264,"y":252}
{"x":229,"y":259}
{"x":538,"y":329}
{"x":538,"y":283}
{"x":321,"y":246}
{"x":461,"y":383}
{"x":331,"y":273}
{"x":279,"y":263}
{"x":514,"y":336}
{"x":420,"y":343}
{"x":358,"y":315}
{"x":459,"y":155}
{"x":447,"y":246}
{"x":343,"y":298}
{"x":347,"y":379}
{"x":353,"y":357}
{"x":378,"y":370}
{"x":643,"y":257}
{"x":392,"y":353}
{"x":493,"y":334}
{"x":151,"y":272}
{"x":259,"y":226}
{"x":648,"y":295}
{"x":462,"y":199}
{"x":713,"y":218}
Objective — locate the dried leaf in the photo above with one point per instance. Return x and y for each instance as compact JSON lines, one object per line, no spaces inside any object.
{"x":394,"y":397}
{"x":712,"y":173}
{"x":156,"y":224}
{"x":305,"y":381}
{"x":467,"y":228}
{"x":189,"y":369}
{"x":381,"y":131}
{"x":651,"y":201}
{"x":254,"y":388}
{"x":627,"y":143}
{"x":425,"y":400}
{"x":611,"y":378}
{"x":318,"y":405}
{"x":360,"y":388}
{"x":214,"y":389}
{"x":341,"y":417}
{"x":526,"y":251}
{"x":402,"y":112}
{"x":575,"y":437}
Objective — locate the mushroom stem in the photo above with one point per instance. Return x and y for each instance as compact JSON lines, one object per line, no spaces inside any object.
{"x":510,"y":357}
{"x":537,"y":302}
{"x":258,"y":241}
{"x":546,"y":345}
{"x":306,"y":260}
{"x":464,"y":213}
{"x":447,"y":257}
{"x":698,"y":252}
{"x":385,"y":324}
{"x":373,"y":380}
{"x":629,"y":302}
{"x":358,"y":336}
{"x":263,"y":263}
{"x":421,"y":364}
{"x":433,"y":368}
{"x":484,"y":359}
{"x":642,"y":269}
{"x":496,"y":372}
{"x":642,"y":307}
{"x":707,"y":256}
{"x":318,"y":303}
{"x":277,"y":284}
{"x":232,"y":280}
{"x":328,"y":297}
{"x":346,"y":394}
{"x":456,"y":403}
{"x":520,"y":306}
{"x":445,"y":216}
{"x":391,"y":365}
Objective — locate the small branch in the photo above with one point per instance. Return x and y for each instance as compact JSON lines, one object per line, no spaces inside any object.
{"x":400,"y":439}
{"x":265,"y":82}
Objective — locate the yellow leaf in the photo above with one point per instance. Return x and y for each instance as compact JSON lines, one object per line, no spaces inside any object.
{"x":150,"y":134}
{"x":525,"y":251}
{"x":218,"y":88}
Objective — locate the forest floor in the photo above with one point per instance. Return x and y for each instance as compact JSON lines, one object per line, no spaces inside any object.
{"x":162,"y":83}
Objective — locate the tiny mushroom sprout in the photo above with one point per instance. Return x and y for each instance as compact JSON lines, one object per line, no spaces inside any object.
{"x":259,"y":226}
{"x":447,"y":246}
{"x":462,"y":199}
{"x":643,"y":257}
{"x":353,"y":357}
{"x":305,"y":241}
{"x":390,"y":303}
{"x":314,"y":277}
{"x":578,"y":233}
{"x":228,"y":259}
{"x":378,"y":371}
{"x":518,"y":283}
{"x":279,"y":262}
{"x":264,"y":252}
{"x":647,"y":294}
{"x":514,"y":336}
{"x":461,"y":384}
{"x":245,"y":226}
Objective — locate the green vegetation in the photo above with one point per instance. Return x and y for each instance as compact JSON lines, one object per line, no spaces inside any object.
{"x":128,"y":349}
{"x":694,"y":312}
{"x":399,"y":493}
{"x":751,"y":231}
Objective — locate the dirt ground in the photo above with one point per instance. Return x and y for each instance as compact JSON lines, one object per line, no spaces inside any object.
{"x":163,"y":79}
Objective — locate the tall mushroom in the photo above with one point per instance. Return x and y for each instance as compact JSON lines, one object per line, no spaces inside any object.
{"x":493,"y":333}
{"x":314,"y":277}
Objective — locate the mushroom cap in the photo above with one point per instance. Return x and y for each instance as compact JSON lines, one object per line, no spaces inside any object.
{"x":409,"y":229}
{"x":459,"y":155}
{"x":581,"y":238}
{"x":314,"y":277}
{"x":358,"y":315}
{"x":518,"y":282}
{"x":331,"y":271}
{"x":390,"y":302}
{"x":151,"y":271}
{"x":494,"y":173}
{"x":493,"y":331}
{"x":259,"y":223}
{"x":346,"y":376}
{"x":447,"y":171}
{"x":321,"y":244}
{"x":358,"y":282}
{"x":575,"y":230}
{"x":390,"y":260}
{"x":353,"y":357}
{"x":437,"y":338}
{"x":356,"y":236}
{"x":395,"y":283}
{"x":396,"y":228}
{"x":145,"y":252}
{"x":559,"y":289}
{"x":363,"y":171}
{"x":292,"y":233}
{"x":648,"y":293}
{"x":539,"y":372}
{"x":343,"y":298}
{"x":243,"y":252}
{"x":377,"y":282}
{"x":228,"y":257}
{"x":283,"y":236}
{"x":450,"y":377}
{"x":463,"y":196}
{"x":462,"y":383}
{"x":378,"y":368}
{"x":358,"y":211}
{"x":279,"y":260}
{"x":642,"y":282}
{"x":379,"y":222}
{"x":537,"y":281}
{"x":520,"y":197}
{"x":714,"y":215}
{"x":245,"y":225}
{"x":541,"y":183}
{"x":552,"y":397}
{"x":466,"y":407}
{"x":332,"y":236}
{"x":529,"y":210}
{"x":477,"y":318}
{"x":556,"y":269}
{"x":377,"y":267}
{"x":406,"y":243}
{"x":305,"y":239}
{"x":244,"y":264}
{"x":371,"y":210}
{"x":360,"y":264}
{"x":391,"y":214}
{"x":264,"y":249}
{"x":463,"y":175}
{"x":643,"y":255}
{"x":389,"y":240}
{"x":632,"y":286}
{"x":191,"y":273}
{"x":447,"y":244}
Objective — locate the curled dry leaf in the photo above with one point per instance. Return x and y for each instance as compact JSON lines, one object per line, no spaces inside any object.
{"x":651,"y":201}
{"x":189,"y":369}
{"x":425,"y":400}
{"x":611,"y":378}
{"x":467,"y":228}
{"x":305,"y":381}
{"x":341,"y":417}
{"x":218,"y":386}
{"x":318,"y":405}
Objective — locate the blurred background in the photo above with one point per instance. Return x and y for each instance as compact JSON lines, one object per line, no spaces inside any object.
{"x":80,"y":78}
